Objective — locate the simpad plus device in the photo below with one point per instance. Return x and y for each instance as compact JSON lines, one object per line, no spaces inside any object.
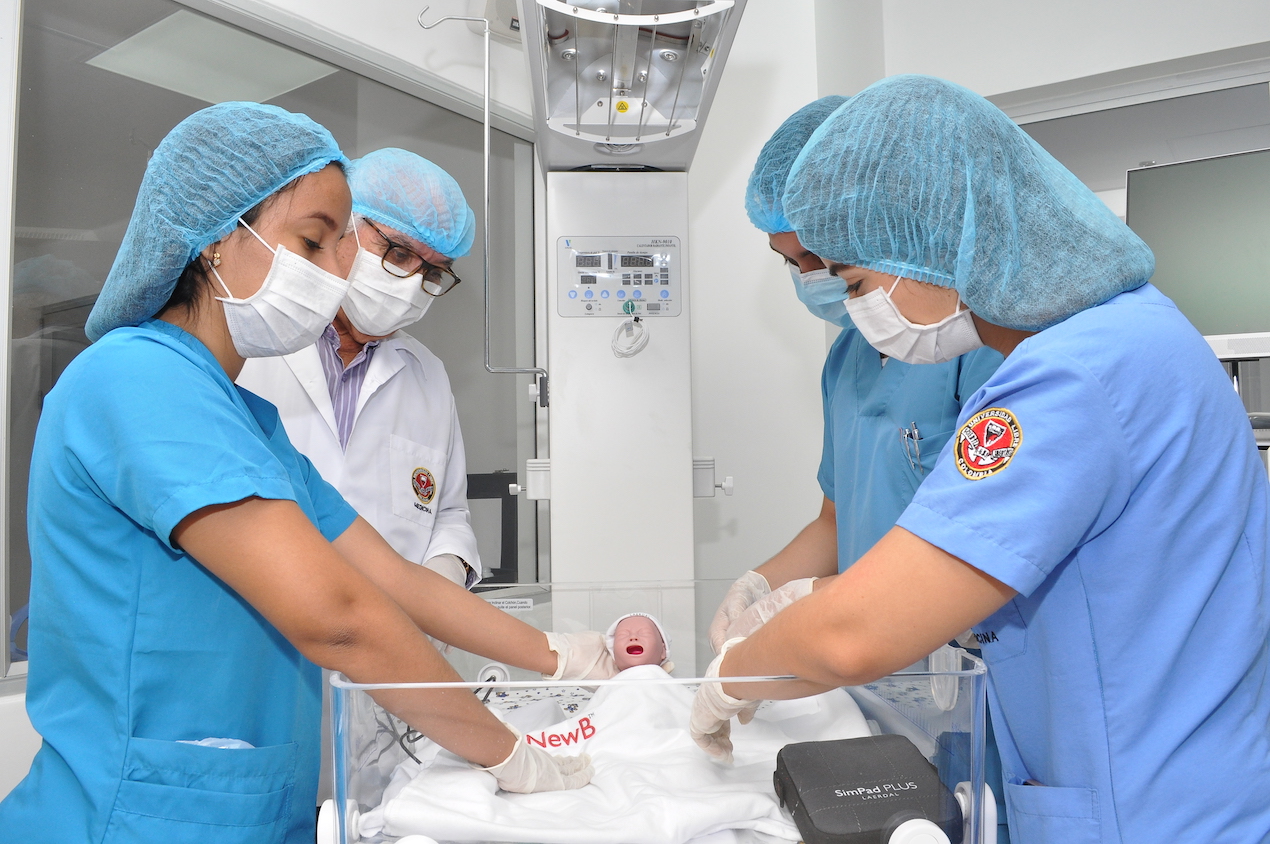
{"x":859,"y":791}
{"x":619,"y":276}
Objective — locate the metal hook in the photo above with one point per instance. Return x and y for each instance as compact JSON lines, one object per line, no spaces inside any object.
{"x":485,"y":125}
{"x":439,"y":21}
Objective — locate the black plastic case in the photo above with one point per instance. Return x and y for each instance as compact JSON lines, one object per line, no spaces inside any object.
{"x":857,"y":791}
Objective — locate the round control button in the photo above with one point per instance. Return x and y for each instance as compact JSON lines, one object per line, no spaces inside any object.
{"x":589,"y":294}
{"x":588,"y":306}
{"x":665,"y":294}
{"x":573,"y":294}
{"x":638,"y":294}
{"x":621,"y":294}
{"x":604,"y":294}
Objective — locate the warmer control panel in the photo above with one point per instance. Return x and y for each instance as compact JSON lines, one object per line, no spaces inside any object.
{"x":619,"y":276}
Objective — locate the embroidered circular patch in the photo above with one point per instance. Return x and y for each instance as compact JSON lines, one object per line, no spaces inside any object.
{"x":425,"y":486}
{"x":986,"y":443}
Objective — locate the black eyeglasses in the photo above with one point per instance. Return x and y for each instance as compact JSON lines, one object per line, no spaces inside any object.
{"x":402,"y":261}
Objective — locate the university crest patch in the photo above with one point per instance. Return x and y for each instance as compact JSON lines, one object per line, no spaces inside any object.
{"x":425,"y":486}
{"x":987,"y":442}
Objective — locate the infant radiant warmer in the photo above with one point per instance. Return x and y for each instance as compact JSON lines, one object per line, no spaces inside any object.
{"x":651,"y":784}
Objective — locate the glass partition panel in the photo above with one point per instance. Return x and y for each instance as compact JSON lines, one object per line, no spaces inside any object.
{"x":101,"y":84}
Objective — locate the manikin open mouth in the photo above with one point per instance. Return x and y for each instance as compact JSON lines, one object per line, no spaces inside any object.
{"x":634,"y":650}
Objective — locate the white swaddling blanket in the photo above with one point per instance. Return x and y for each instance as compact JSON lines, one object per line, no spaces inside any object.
{"x":652,"y":784}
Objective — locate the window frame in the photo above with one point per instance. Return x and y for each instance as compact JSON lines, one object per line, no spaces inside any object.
{"x":296,"y":33}
{"x":12,"y":674}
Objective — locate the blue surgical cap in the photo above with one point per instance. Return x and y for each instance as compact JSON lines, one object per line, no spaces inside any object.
{"x":767,"y":182}
{"x":409,"y":193}
{"x":212,"y":168}
{"x":919,"y":177}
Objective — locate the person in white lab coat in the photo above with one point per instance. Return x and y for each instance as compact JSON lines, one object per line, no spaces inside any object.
{"x":368,"y":403}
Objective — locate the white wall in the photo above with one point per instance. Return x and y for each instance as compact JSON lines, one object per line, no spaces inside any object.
{"x":850,"y":45}
{"x":756,"y":351}
{"x":994,"y":46}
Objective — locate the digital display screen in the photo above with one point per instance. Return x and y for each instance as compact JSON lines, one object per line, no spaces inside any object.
{"x":588,"y":279}
{"x":588,"y":261}
{"x":637,"y":260}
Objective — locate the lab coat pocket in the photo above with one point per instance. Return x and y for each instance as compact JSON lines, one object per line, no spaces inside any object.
{"x":182,"y":794}
{"x":418,"y":476}
{"x":1043,"y":815}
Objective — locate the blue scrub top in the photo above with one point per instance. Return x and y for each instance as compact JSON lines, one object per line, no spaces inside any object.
{"x":1107,"y":472}
{"x":864,"y":468}
{"x":134,"y":646}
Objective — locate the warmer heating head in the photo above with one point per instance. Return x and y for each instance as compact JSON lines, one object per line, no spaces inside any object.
{"x":621,"y":83}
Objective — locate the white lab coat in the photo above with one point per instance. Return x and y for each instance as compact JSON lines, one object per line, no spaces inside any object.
{"x":405,"y":432}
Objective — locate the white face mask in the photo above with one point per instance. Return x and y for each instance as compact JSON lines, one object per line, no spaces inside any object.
{"x":379,"y":302}
{"x":297,"y":300}
{"x":886,"y":329}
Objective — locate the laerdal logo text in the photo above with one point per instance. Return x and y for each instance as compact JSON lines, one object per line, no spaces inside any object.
{"x":584,"y":730}
{"x":877,"y":792}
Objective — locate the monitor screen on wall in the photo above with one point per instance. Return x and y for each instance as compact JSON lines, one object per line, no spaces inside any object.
{"x":1208,"y":223}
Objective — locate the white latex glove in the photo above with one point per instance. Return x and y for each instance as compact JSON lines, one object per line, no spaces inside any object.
{"x":748,"y":588}
{"x":711,"y":721}
{"x":529,"y":769}
{"x":450,"y":567}
{"x":582,"y":656}
{"x":765,"y":609}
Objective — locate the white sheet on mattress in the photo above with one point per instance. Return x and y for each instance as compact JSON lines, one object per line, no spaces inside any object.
{"x":652,"y":784}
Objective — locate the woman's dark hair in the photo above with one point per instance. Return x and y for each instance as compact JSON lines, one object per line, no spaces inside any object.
{"x":189,"y":287}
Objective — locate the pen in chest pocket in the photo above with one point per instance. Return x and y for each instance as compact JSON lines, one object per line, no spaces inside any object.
{"x":911,"y":439}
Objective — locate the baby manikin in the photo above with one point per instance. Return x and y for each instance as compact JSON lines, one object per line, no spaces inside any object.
{"x":637,"y":639}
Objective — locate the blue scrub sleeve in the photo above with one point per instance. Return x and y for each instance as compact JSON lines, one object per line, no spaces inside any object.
{"x":329,"y":511}
{"x":1016,"y":516}
{"x":333,"y":514}
{"x":160,"y":437}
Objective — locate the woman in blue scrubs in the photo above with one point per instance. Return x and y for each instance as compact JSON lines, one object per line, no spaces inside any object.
{"x":885,"y":420}
{"x":191,"y":569}
{"x":1100,"y":516}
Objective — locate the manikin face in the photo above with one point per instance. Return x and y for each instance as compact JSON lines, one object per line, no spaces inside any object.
{"x":636,"y":641}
